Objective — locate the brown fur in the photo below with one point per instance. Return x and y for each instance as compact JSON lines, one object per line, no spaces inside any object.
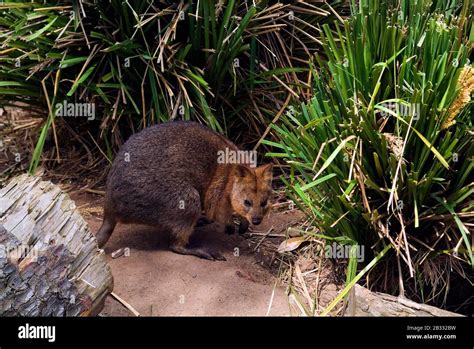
{"x":172,"y":176}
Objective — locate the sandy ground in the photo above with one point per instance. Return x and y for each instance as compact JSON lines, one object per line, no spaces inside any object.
{"x":158,"y":282}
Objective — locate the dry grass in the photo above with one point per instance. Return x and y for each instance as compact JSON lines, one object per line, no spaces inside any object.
{"x":18,"y":134}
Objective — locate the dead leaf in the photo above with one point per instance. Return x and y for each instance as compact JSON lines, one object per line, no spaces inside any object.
{"x":291,"y":244}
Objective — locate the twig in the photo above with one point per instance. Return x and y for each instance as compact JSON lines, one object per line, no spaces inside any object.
{"x":263,"y":238}
{"x":125,"y":304}
{"x":271,"y":299}
{"x":268,"y":235}
{"x":275,"y":119}
{"x":93,"y":191}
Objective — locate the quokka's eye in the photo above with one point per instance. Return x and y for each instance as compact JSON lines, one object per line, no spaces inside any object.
{"x":248,"y":203}
{"x":264,"y":203}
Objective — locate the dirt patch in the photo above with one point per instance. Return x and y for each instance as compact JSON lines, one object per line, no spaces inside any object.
{"x":156,"y":281}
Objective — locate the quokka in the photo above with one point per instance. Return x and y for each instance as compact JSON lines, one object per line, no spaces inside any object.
{"x":169,"y":176}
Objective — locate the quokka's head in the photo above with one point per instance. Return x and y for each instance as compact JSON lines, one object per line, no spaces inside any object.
{"x":251,"y":193}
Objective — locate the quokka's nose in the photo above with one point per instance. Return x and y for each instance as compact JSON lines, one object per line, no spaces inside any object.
{"x":256,"y":220}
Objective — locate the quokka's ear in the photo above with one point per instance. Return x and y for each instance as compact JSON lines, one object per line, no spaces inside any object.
{"x":243,"y":171}
{"x":265,"y":172}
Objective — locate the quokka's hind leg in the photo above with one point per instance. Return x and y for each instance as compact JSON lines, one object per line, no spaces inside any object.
{"x":105,"y":231}
{"x":180,"y":242}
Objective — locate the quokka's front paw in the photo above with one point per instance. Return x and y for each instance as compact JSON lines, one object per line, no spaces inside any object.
{"x":244,"y":226}
{"x":203,"y":221}
{"x":241,"y":225}
{"x":229,"y":229}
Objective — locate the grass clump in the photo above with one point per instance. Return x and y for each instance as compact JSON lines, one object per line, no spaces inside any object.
{"x":382,"y":154}
{"x":227,"y":64}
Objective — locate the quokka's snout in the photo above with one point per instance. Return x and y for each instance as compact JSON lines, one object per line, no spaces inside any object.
{"x":168,"y":174}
